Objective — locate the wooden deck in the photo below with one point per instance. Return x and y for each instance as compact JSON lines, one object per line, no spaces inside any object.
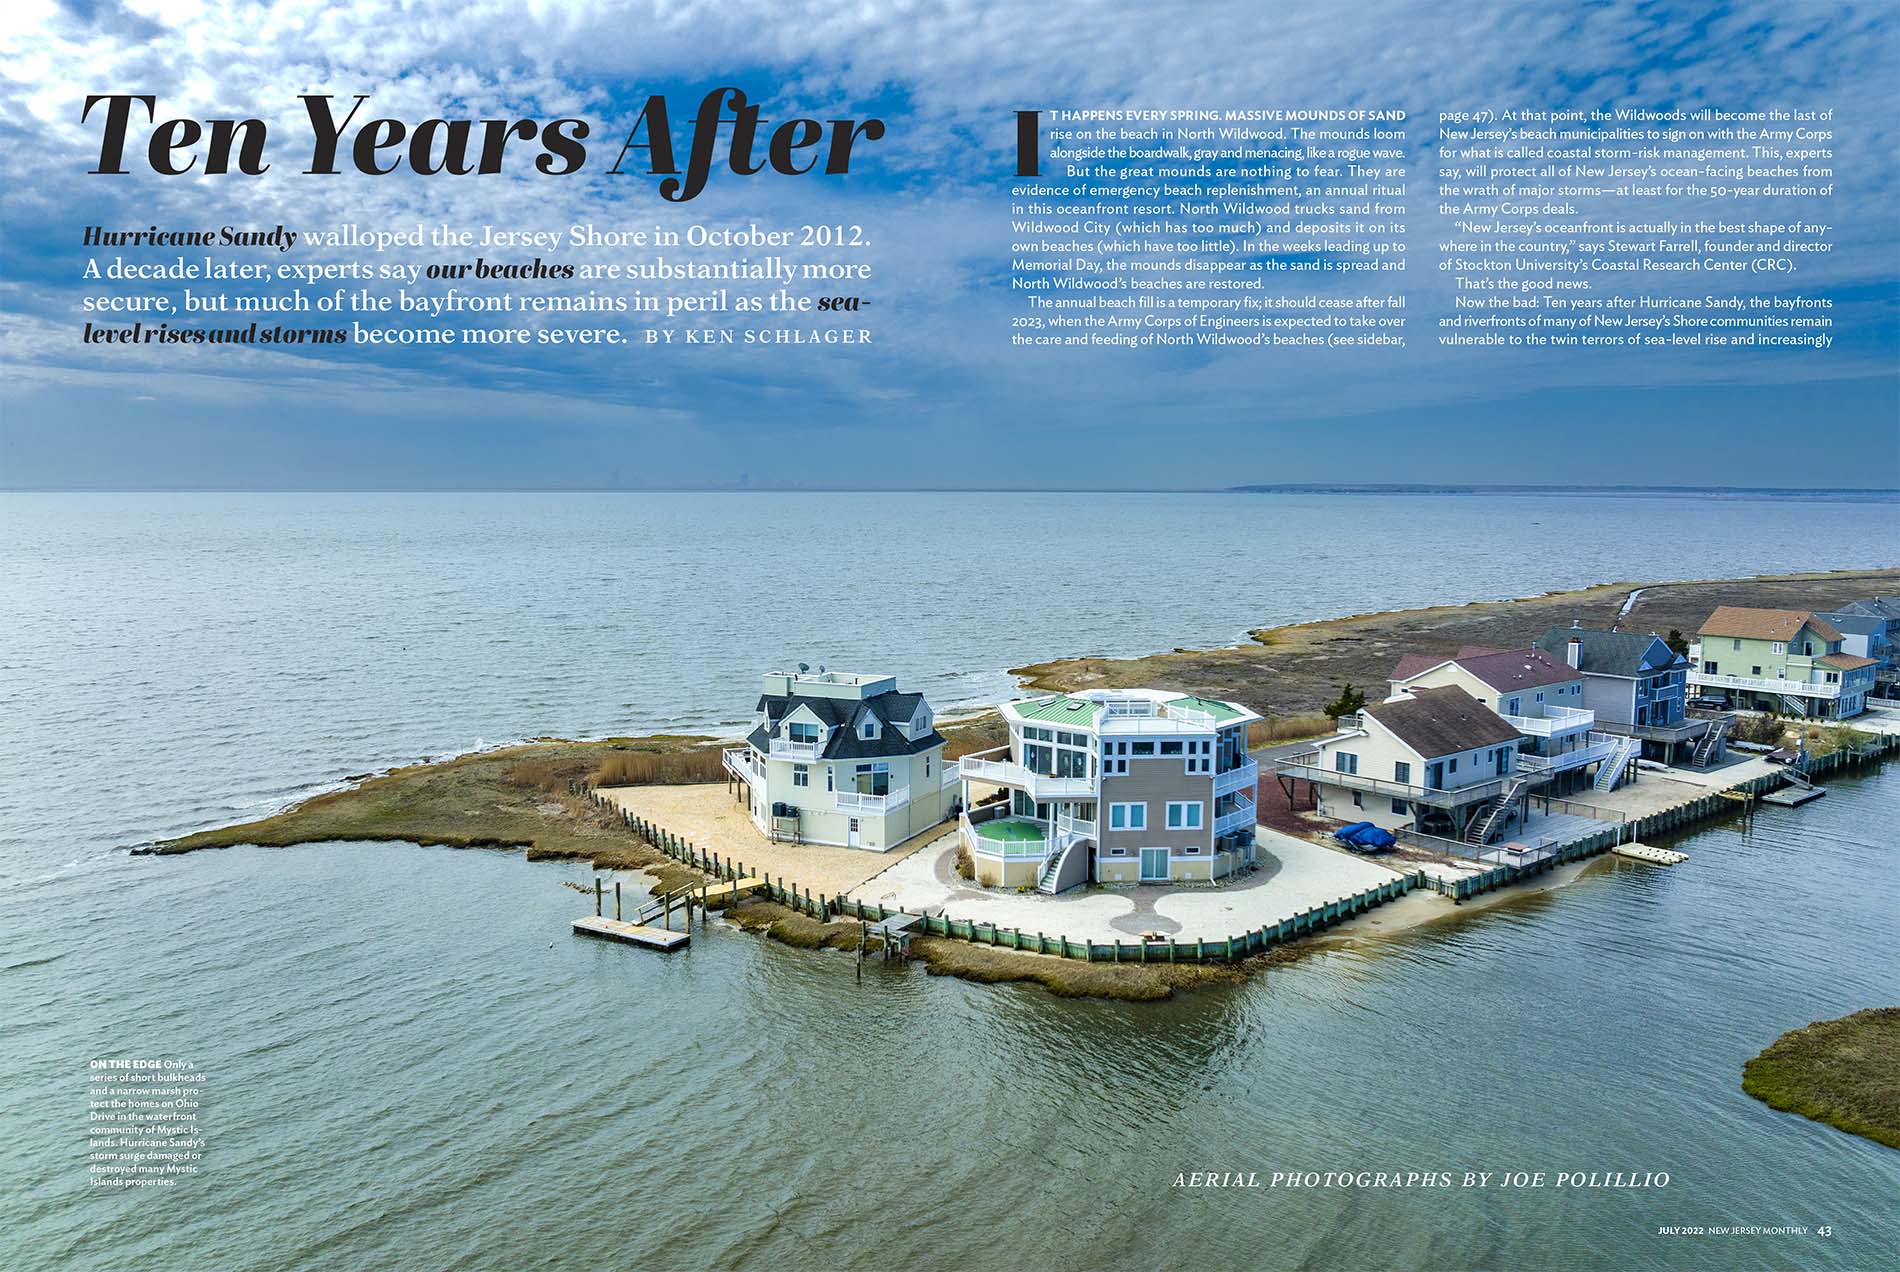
{"x":1793,"y":796}
{"x":633,"y":933}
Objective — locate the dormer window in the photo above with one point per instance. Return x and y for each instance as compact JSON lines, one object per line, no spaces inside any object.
{"x":870,"y":728}
{"x":799,"y":731}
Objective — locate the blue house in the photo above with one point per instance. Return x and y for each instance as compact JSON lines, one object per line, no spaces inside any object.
{"x":1638,"y":687}
{"x":1871,"y":629}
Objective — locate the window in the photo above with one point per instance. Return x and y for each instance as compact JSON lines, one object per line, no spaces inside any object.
{"x":1452,"y":766}
{"x":1754,"y":671}
{"x":1540,"y":695}
{"x":1401,"y":771}
{"x":1128,"y":817}
{"x":1516,"y":707}
{"x":1738,"y":646}
{"x":1708,"y":667}
{"x":1190,"y":851}
{"x":1779,"y":648}
{"x":1118,"y":852}
{"x":1170,"y":748}
{"x":801,"y":732}
{"x":1144,"y":748}
{"x":1071,"y":739}
{"x":1185,"y":814}
{"x":1398,"y":806}
{"x":1345,"y":762}
{"x":870,"y":728}
{"x":1834,"y":677}
{"x":1356,"y":801}
{"x":801,"y":775}
{"x":926,"y":766}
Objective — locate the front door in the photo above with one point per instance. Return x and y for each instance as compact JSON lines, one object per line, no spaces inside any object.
{"x":1154,"y":864}
{"x":851,"y":835}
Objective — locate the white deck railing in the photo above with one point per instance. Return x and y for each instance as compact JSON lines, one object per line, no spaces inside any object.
{"x":856,"y":802}
{"x":1238,"y":819}
{"x":1009,"y":773}
{"x":1799,"y":688}
{"x":785,"y":749}
{"x":738,"y":762}
{"x":1555,"y":722}
{"x":1243,"y":777}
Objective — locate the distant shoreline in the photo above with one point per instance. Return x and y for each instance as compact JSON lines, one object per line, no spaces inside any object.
{"x":1842,"y":493}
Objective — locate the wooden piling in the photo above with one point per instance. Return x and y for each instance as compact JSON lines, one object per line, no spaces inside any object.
{"x":597,"y":896}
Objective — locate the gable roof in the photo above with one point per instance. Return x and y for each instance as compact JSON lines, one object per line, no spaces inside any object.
{"x":1444,"y":721}
{"x":843,"y":718}
{"x":1506,"y":670}
{"x":1602,"y":653}
{"x":1857,"y":624}
{"x":1846,"y":662}
{"x":1763,"y":624}
{"x":1881,"y":606}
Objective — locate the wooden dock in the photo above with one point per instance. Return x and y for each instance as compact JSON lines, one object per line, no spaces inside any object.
{"x":1793,"y":796}
{"x":1654,"y":856}
{"x":652,"y":938}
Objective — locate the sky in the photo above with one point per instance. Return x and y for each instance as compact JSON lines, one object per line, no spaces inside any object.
{"x":940,"y":399}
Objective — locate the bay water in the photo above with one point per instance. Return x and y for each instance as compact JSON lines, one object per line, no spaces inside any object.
{"x":410,"y":1063}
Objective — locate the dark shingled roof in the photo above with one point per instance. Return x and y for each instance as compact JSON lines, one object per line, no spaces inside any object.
{"x":842,"y":718}
{"x":1445,"y":721}
{"x":1609,"y":653}
{"x":1505,"y":670}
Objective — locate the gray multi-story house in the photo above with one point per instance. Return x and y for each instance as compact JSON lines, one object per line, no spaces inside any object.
{"x":1112,"y":786}
{"x":1638,"y":687}
{"x":842,"y":759}
{"x":1871,"y":629}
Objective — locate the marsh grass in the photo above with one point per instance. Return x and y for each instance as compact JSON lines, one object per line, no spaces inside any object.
{"x":1843,"y":1072}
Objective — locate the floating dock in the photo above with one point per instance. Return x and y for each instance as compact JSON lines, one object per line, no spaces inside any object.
{"x":1654,"y":856}
{"x":1793,"y":796}
{"x":633,"y":933}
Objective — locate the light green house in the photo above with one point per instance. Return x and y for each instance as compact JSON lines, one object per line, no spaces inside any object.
{"x":1789,"y":661}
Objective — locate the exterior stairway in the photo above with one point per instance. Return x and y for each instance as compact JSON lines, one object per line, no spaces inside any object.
{"x":1610,"y":769}
{"x":1485,"y":822}
{"x":1053,"y":869}
{"x":1712,"y":739}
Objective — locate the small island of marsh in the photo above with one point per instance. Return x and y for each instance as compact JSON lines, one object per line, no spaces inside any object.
{"x":1843,"y":1072}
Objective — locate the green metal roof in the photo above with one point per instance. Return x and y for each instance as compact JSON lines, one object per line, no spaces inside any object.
{"x":1061,"y":709}
{"x":1221,"y":711}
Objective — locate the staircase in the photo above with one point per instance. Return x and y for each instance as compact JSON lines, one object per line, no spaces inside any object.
{"x":1710,"y":740}
{"x":1610,"y":769}
{"x":1482,"y":825}
{"x":1052,"y":870}
{"x":1795,"y":706}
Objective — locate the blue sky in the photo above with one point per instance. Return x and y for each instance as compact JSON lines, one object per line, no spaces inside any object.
{"x":940,"y":399}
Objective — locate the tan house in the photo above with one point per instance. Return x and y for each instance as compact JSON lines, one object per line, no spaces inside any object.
{"x":1121,"y":787}
{"x":842,"y":759}
{"x":1435,"y":760}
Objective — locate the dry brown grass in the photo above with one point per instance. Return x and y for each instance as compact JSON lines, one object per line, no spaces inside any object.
{"x":1288,"y":728}
{"x":658,"y":768}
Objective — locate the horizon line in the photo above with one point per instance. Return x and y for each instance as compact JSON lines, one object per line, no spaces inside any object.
{"x":1421,"y":488}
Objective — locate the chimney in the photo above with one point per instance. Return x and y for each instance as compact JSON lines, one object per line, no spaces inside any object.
{"x":1573,"y":651}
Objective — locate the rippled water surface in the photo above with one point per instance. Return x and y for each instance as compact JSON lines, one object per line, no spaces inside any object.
{"x":412,"y":1064}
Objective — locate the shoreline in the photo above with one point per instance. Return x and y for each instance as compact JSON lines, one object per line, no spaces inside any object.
{"x":537,"y":796}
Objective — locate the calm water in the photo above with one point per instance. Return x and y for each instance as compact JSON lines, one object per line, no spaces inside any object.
{"x":412,"y":1064}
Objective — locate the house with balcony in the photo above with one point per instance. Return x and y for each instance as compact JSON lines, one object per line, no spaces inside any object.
{"x":1539,"y":696}
{"x":1122,"y":786}
{"x":1434,"y":760}
{"x":1871,"y":629}
{"x":1638,"y":687}
{"x":842,"y":759}
{"x":1786,"y":661}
